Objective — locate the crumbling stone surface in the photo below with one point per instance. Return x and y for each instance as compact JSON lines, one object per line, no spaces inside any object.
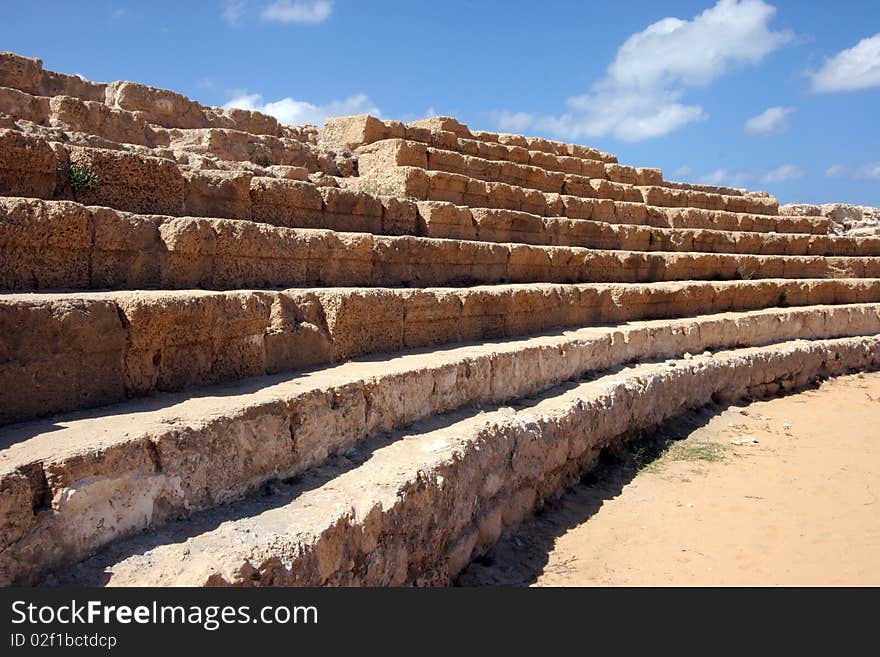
{"x":199,"y":304}
{"x":448,"y":490}
{"x":847,"y":219}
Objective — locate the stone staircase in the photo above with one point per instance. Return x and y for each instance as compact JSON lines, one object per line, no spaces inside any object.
{"x":237,"y":352}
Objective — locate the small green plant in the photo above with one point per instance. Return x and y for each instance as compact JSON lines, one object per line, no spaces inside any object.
{"x":783,"y":299}
{"x":688,"y":450}
{"x":82,"y":178}
{"x":376,"y":188}
{"x":262,"y":160}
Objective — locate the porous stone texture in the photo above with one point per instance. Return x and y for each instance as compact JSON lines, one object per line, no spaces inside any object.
{"x":171,"y":340}
{"x":414,"y":507}
{"x":241,"y":352}
{"x":847,"y":219}
{"x":357,"y":399}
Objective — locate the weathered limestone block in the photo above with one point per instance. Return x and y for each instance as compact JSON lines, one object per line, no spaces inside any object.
{"x":347,"y":210}
{"x":517,"y":140}
{"x":287,"y":172}
{"x":61,"y":84}
{"x":190,"y":245}
{"x":399,"y":216}
{"x":64,"y":353}
{"x":380,"y":155}
{"x":439,"y":219}
{"x":347,"y":261}
{"x":493,"y":225}
{"x":349,"y":132}
{"x":365,"y":321}
{"x":19,"y":72}
{"x":97,"y":119}
{"x":297,"y":336}
{"x":23,"y":105}
{"x":128,"y":251}
{"x":159,"y":106}
{"x":495,"y":151}
{"x":286,"y":203}
{"x":223,"y":143}
{"x":622,"y":174}
{"x":200,"y":338}
{"x":450,"y":187}
{"x":452,"y":162}
{"x":648,"y":176}
{"x":253,"y":122}
{"x":130,"y":182}
{"x":44,"y":245}
{"x":401,"y":182}
{"x":218,"y":194}
{"x":452,"y":262}
{"x":615,"y":191}
{"x":258,"y":255}
{"x":575,"y":185}
{"x":28,"y":166}
{"x":444,"y":123}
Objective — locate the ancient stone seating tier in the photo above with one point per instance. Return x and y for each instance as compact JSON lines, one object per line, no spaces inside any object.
{"x":239,"y":352}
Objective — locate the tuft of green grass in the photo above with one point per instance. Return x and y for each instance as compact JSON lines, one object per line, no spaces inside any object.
{"x":687,"y":450}
{"x":262,"y":160}
{"x":83,"y":178}
{"x":655,"y":452}
{"x":376,"y":188}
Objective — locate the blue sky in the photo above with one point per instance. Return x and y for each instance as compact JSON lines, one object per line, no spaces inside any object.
{"x":781,"y":95}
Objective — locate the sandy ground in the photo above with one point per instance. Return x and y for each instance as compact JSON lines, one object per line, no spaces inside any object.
{"x":690,"y":507}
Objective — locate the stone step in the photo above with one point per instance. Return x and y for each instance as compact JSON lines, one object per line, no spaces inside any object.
{"x":58,"y":244}
{"x":563,"y":207}
{"x":94,"y":124}
{"x":27,"y":74}
{"x":135,"y":182}
{"x":415,"y":506}
{"x":712,"y":189}
{"x":416,"y":153}
{"x":62,"y":244}
{"x":598,"y":182}
{"x":447,"y":134}
{"x":349,"y":132}
{"x":69,"y":351}
{"x":157,"y":106}
{"x":425,"y":185}
{"x":138,"y":182}
{"x":446,"y":220}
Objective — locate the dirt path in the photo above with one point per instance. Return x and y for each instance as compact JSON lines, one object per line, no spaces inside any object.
{"x":799,"y":507}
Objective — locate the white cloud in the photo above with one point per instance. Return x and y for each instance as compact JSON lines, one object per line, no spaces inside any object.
{"x":681,"y":171}
{"x":782,"y":174}
{"x":513,"y":121}
{"x":869,"y":171}
{"x":852,"y":69}
{"x":234,"y":10}
{"x":298,"y":112}
{"x":725,"y":177}
{"x":772,"y":121}
{"x":641,"y":95}
{"x":298,"y":11}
